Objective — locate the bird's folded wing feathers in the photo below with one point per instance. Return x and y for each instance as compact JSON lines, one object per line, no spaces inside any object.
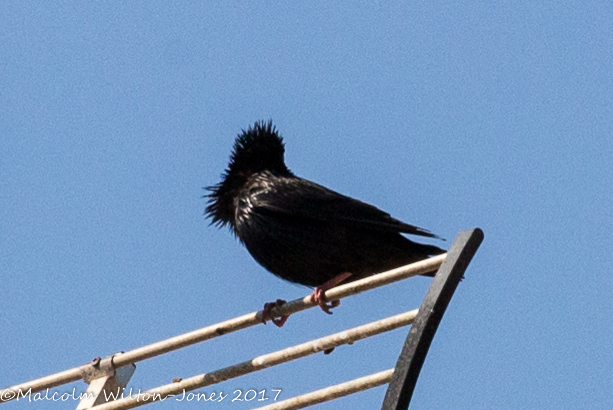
{"x":299,"y":198}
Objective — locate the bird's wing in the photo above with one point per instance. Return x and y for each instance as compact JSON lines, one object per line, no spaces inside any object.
{"x":299,"y":198}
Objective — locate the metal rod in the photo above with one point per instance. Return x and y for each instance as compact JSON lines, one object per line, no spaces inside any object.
{"x":228,"y":326}
{"x":431,"y":311}
{"x":262,"y":362}
{"x":294,"y":306}
{"x":47,"y":382}
{"x":332,"y":392}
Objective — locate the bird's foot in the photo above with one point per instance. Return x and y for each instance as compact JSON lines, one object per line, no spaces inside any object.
{"x":319,"y":298}
{"x":267,"y":313}
{"x":319,"y":293}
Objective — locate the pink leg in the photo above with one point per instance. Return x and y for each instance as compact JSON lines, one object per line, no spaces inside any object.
{"x":319,"y":293}
{"x":267,"y":313}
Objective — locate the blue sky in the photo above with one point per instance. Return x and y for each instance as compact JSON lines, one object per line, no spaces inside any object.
{"x":448,"y":115}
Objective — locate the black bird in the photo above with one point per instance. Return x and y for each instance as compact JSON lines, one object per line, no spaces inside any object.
{"x":301,"y":231}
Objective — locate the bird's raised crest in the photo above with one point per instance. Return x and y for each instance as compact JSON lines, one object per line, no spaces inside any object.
{"x":259,"y":148}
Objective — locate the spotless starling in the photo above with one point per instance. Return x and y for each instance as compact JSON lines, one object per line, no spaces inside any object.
{"x":301,"y":231}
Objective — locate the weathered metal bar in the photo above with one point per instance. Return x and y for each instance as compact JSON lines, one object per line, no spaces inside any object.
{"x":415,"y":349}
{"x":228,"y":326}
{"x":262,"y":362}
{"x":47,"y":382}
{"x":294,"y":306}
{"x":332,"y":392}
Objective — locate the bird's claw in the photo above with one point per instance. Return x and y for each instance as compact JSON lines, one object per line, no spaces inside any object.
{"x":318,"y":297}
{"x":267,"y":313}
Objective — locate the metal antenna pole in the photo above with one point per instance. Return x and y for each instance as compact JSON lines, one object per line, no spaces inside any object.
{"x":415,"y":349}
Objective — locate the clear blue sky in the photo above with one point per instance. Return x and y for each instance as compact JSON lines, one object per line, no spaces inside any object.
{"x":448,"y":115}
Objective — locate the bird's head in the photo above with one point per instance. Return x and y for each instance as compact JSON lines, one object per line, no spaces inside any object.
{"x":258,"y":149}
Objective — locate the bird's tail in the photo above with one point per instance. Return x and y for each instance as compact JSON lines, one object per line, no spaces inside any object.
{"x":428,"y":251}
